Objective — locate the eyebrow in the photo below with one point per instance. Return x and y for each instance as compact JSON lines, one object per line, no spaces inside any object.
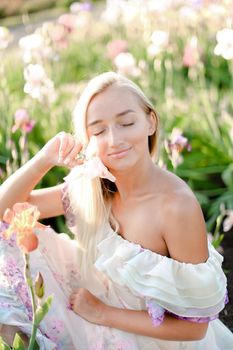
{"x":117,"y":116}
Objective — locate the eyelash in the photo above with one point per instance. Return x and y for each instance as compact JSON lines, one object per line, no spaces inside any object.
{"x":99,"y":133}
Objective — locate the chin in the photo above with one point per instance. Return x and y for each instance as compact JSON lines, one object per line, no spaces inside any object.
{"x":121,"y":165}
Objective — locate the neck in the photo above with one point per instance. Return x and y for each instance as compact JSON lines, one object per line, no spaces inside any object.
{"x":134,"y":182}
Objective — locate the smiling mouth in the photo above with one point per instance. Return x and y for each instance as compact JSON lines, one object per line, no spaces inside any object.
{"x":119,"y":154}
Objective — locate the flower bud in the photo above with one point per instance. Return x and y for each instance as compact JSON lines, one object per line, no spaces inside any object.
{"x":39,"y":286}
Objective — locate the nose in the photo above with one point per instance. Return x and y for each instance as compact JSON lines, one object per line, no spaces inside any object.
{"x":113,"y":136}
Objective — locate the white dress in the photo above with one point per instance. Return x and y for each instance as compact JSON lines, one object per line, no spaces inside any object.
{"x":124,"y":275}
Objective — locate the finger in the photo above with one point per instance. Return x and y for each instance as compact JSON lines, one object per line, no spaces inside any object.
{"x":75,"y":162}
{"x":62,"y":147}
{"x":65,"y":141}
{"x":70,"y":146}
{"x":73,"y":153}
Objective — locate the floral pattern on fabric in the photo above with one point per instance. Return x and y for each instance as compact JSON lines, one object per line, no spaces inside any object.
{"x":70,"y":217}
{"x":155,"y":311}
{"x":15,"y":278}
{"x":11,"y":275}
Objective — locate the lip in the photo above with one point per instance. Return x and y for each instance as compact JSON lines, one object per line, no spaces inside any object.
{"x":119,"y":154}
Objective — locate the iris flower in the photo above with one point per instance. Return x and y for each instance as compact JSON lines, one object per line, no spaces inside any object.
{"x":22,"y":220}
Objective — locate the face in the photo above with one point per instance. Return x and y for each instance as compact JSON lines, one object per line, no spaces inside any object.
{"x":120,"y":126}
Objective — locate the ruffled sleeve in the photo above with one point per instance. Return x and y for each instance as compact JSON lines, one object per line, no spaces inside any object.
{"x":190,"y":291}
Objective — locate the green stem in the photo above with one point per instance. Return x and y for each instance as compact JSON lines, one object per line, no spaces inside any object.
{"x":205,"y":100}
{"x":30,"y":284}
{"x":33,"y":337}
{"x":217,"y":234}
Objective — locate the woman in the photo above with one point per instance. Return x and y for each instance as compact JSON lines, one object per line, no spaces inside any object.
{"x":140,"y":274}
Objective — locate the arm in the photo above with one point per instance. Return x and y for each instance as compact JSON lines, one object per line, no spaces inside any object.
{"x":139,"y":322}
{"x":19,"y":186}
{"x":89,"y":307}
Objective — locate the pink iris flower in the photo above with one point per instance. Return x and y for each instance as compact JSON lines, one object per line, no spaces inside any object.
{"x":22,"y":220}
{"x":22,"y":121}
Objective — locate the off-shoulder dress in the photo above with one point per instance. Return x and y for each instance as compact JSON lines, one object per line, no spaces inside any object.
{"x":124,"y":275}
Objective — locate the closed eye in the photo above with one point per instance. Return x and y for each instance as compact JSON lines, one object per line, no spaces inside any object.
{"x":98,"y":133}
{"x":128,"y":124}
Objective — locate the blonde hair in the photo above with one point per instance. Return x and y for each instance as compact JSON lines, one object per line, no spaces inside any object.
{"x":91,"y":199}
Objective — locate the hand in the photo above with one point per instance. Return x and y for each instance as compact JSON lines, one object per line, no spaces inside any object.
{"x":62,"y":149}
{"x":86,"y":305}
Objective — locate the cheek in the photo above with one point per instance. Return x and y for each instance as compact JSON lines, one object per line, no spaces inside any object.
{"x":139,"y":135}
{"x":101,"y":147}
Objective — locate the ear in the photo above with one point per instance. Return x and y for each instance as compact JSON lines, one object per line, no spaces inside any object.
{"x":152,"y":122}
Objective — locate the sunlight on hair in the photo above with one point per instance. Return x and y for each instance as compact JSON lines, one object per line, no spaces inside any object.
{"x":91,"y":199}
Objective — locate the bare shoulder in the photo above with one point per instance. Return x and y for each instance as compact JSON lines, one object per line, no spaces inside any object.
{"x":184,"y":228}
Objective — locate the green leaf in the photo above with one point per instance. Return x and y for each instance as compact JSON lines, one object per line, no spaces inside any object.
{"x":227,"y":176}
{"x":18,"y":343}
{"x":3,"y":345}
{"x":217,"y":242}
{"x":3,"y":159}
{"x":202,"y":198}
{"x":43,"y":310}
{"x":36,"y":346}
